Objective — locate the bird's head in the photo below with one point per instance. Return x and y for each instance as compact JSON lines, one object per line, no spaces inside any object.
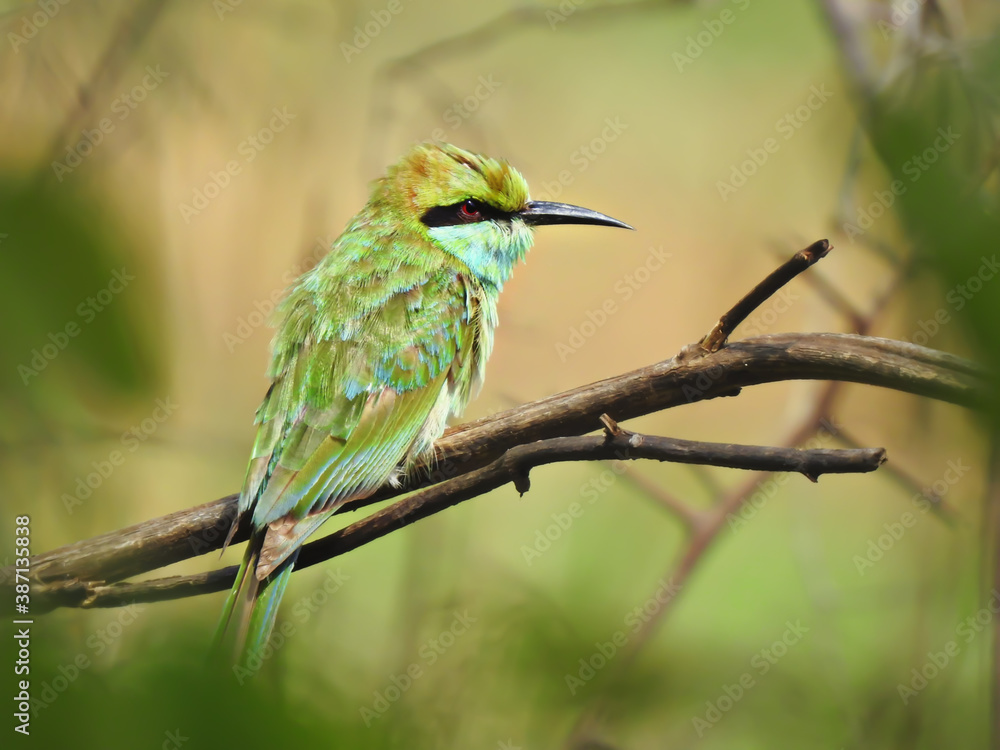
{"x":473,"y":207}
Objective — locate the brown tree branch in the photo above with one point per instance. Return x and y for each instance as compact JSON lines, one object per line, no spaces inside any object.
{"x":873,"y":361}
{"x":154,"y":544}
{"x":512,"y":467}
{"x":477,"y":456}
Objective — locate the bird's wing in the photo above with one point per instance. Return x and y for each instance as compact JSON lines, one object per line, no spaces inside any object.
{"x":350,"y":399}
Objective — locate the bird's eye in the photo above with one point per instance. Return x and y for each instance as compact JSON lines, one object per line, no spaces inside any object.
{"x":469,"y":211}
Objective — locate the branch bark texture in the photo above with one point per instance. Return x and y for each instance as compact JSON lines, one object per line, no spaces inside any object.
{"x":73,"y":575}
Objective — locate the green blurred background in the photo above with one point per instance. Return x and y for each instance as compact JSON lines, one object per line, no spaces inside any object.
{"x":167,"y":168}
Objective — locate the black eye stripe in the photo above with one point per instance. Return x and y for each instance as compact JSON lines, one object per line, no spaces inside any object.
{"x":447,"y":216}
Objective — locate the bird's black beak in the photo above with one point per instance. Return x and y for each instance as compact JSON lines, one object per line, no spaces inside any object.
{"x":537,"y":213}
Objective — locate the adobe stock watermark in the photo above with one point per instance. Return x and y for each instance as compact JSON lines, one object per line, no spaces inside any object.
{"x":122,"y":106}
{"x":878,"y":547}
{"x":760,"y":664}
{"x":914,"y":168}
{"x":299,"y":613}
{"x":174,"y":740}
{"x":544,"y":538}
{"x":582,"y":158}
{"x":87,"y":311}
{"x":937,"y":661}
{"x":430,"y":652}
{"x":35,"y":22}
{"x":97,"y":643}
{"x":769,"y":487}
{"x":624,"y":289}
{"x":902,"y":12}
{"x":704,"y":39}
{"x":604,"y":651}
{"x":456,"y":114}
{"x":562,"y":12}
{"x":786,"y":127}
{"x":249,"y":148}
{"x":704,"y":383}
{"x":363,"y":35}
{"x":264,"y":307}
{"x":131,"y":439}
{"x":591,"y":490}
{"x":957,"y":297}
{"x":223,"y":8}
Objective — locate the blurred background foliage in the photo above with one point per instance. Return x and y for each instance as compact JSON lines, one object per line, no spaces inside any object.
{"x":168,"y":168}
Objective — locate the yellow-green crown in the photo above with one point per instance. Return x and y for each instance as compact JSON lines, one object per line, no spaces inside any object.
{"x":439,"y":174}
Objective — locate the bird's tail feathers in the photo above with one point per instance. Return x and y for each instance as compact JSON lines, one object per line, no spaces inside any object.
{"x":252,"y":606}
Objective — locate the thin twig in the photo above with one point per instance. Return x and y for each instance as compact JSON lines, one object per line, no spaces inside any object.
{"x":774,"y":281}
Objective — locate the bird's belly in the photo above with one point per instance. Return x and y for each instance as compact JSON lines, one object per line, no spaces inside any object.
{"x":421,"y":451}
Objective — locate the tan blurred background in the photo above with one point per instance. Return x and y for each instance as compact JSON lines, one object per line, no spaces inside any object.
{"x":238,"y":140}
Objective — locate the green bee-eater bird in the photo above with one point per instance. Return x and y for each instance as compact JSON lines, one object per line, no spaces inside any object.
{"x":378,"y":345}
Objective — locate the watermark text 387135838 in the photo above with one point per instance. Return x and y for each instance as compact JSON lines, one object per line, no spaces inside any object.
{"x":22,"y":625}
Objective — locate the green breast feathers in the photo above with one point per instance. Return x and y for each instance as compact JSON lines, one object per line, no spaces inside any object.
{"x":365,"y":374}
